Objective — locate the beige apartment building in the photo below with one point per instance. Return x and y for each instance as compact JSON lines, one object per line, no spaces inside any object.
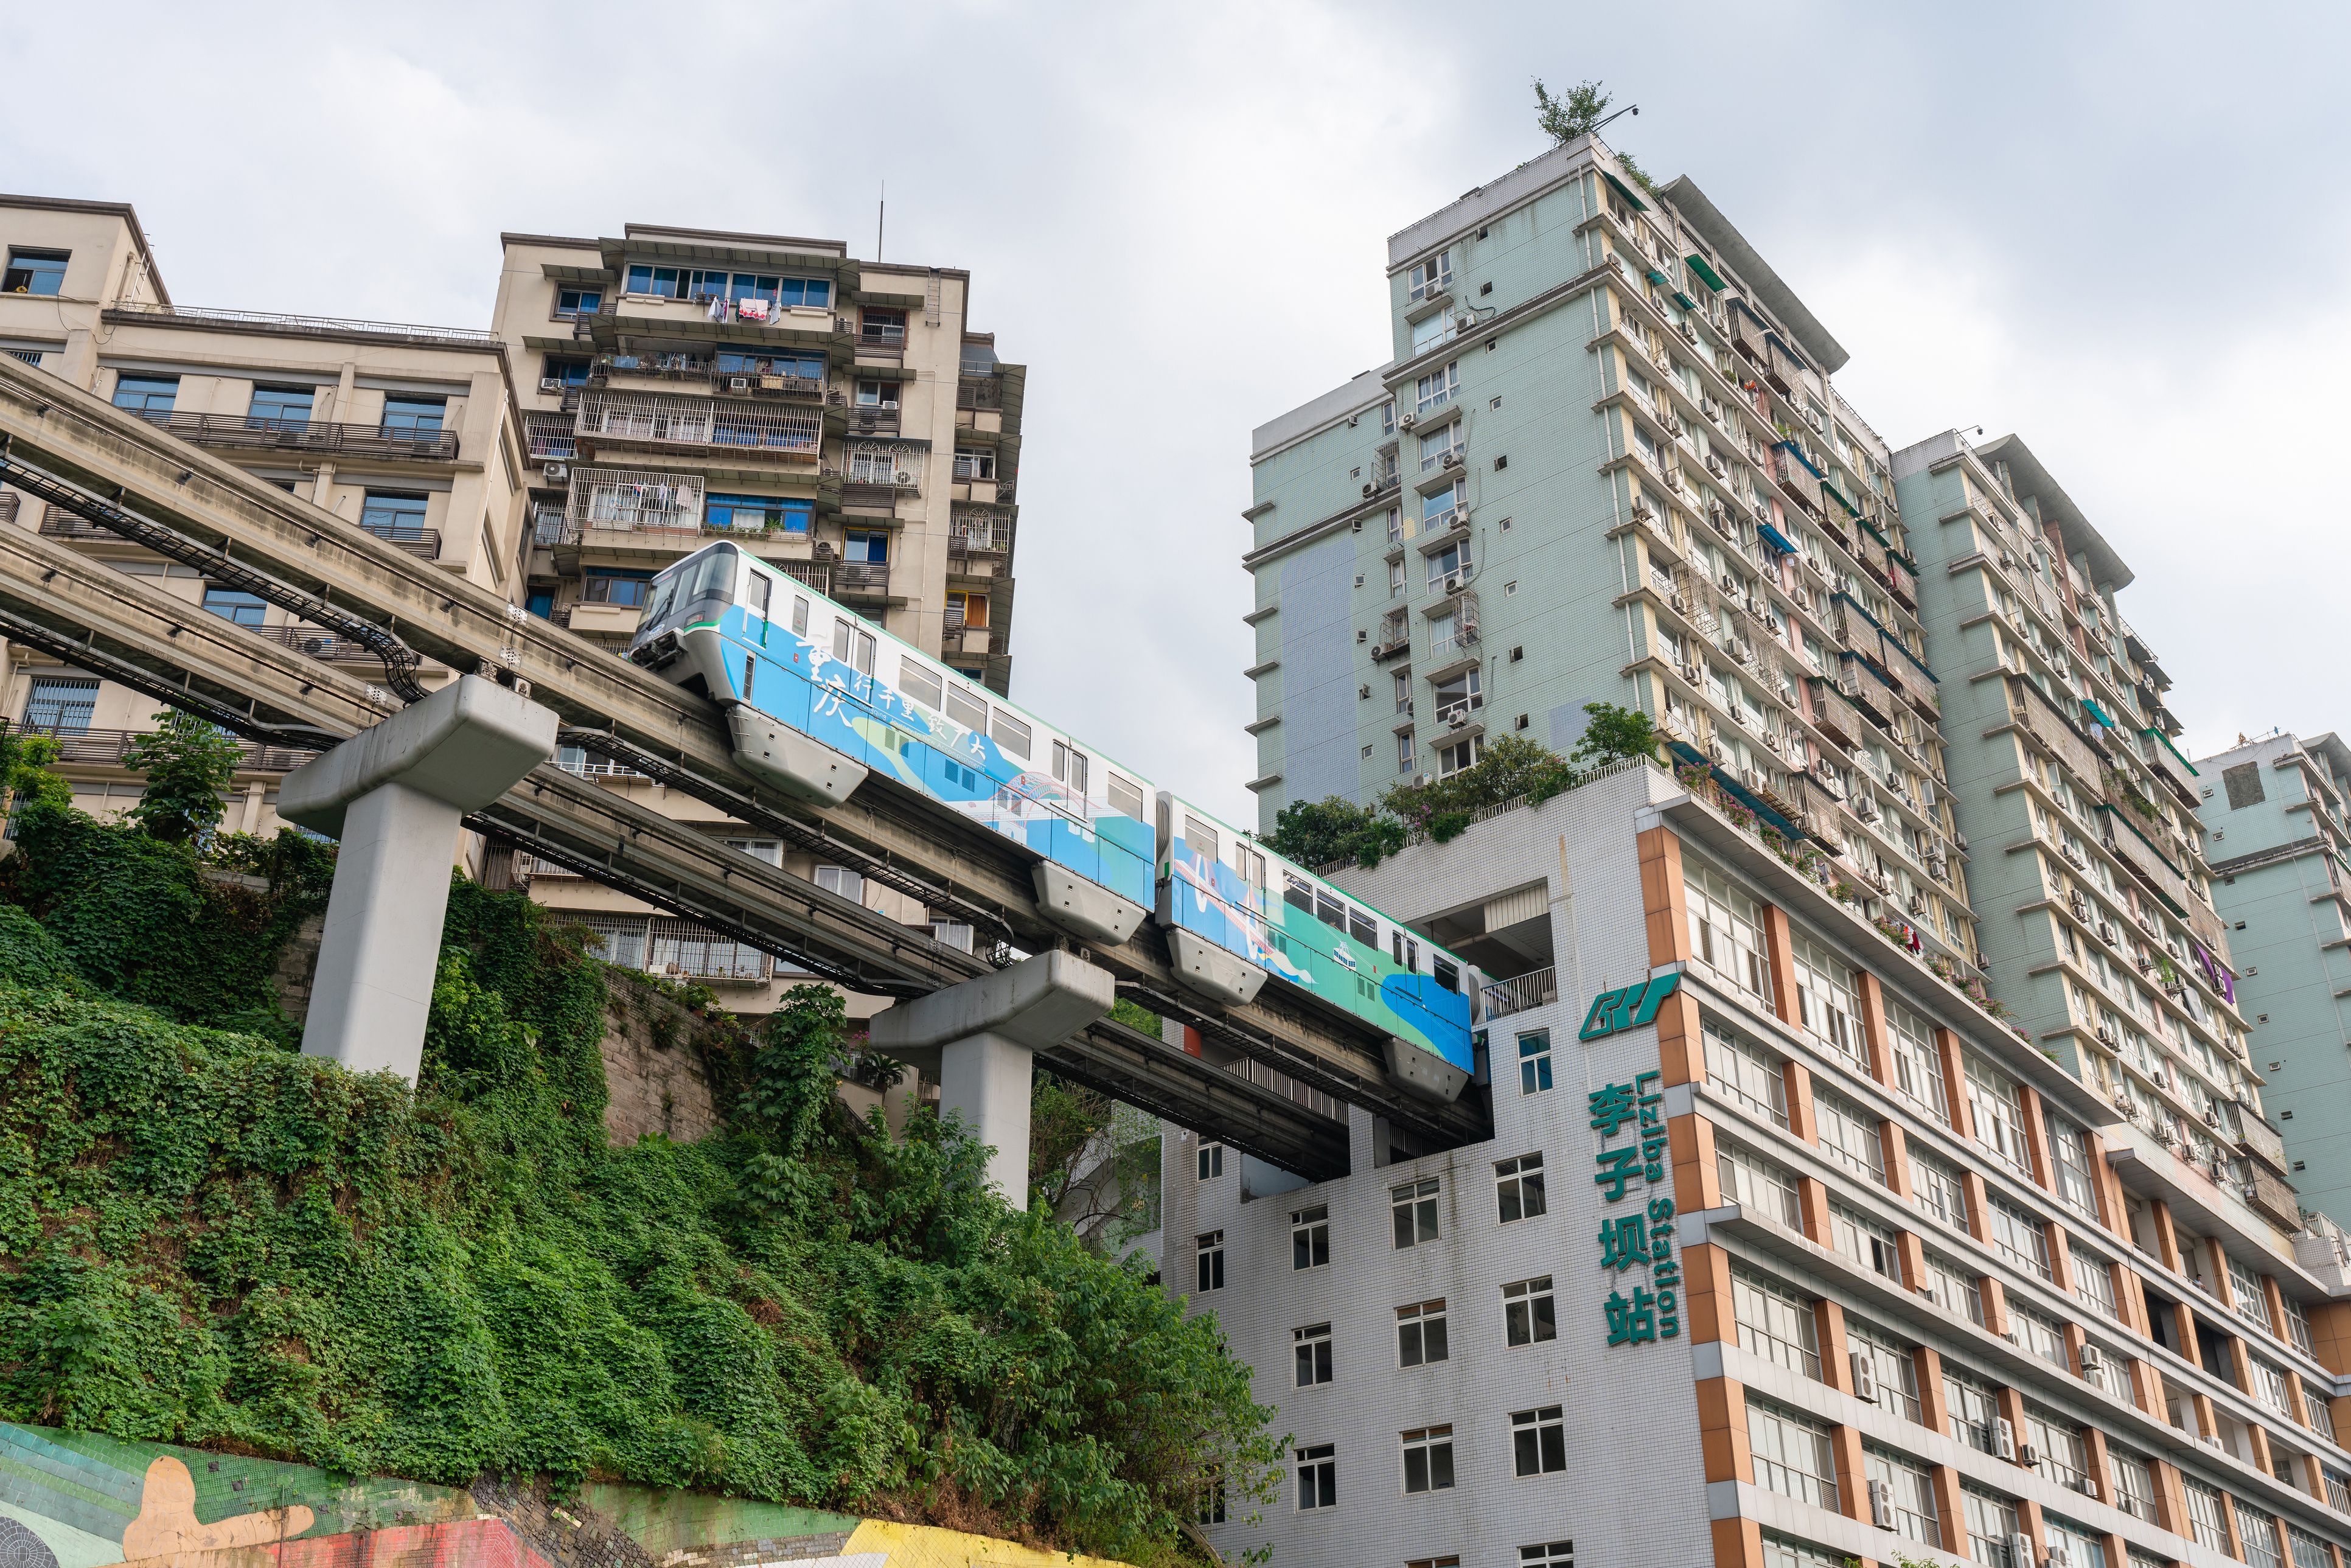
{"x":633,"y":399}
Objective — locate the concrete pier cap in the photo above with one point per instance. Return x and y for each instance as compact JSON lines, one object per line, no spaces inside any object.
{"x":987,"y":1032}
{"x":395,"y":796}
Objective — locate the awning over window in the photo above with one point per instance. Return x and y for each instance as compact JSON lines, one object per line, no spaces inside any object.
{"x":1626,"y":191}
{"x":1829,"y":485}
{"x":1706,"y":273}
{"x":1775,"y":539}
{"x":2098,"y":713}
{"x":1797,"y":453}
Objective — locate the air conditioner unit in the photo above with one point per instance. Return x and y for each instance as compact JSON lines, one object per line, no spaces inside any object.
{"x":1729,"y":583}
{"x":1881,"y":1507}
{"x":2020,"y":1549}
{"x":1865,"y":1375}
{"x":2026,"y":1456}
{"x":1693,"y":675}
{"x":1406,"y":421}
{"x":1369,"y":490}
{"x":2106,"y":932}
{"x":2003,"y":1438}
{"x":2105,"y":1037}
{"x":556,"y":473}
{"x":1865,"y":808}
{"x":738,"y":384}
{"x":904,"y":477}
{"x":1714,"y":465}
{"x":551,"y":384}
{"x":1452,"y":460}
{"x":1642,"y":514}
{"x":2094,"y":1364}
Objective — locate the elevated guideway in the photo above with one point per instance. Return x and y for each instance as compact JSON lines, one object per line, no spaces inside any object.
{"x":117,"y":472}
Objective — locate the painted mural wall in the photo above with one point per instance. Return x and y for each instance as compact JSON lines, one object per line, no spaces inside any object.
{"x":75,"y":1500}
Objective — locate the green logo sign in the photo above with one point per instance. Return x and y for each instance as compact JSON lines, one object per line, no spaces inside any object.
{"x":1628,"y":1008}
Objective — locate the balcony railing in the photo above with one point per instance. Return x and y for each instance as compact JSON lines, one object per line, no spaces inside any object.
{"x":817,"y":574}
{"x":310,"y":437}
{"x":873,"y":421}
{"x":861,"y":579}
{"x":979,"y":536}
{"x":1520,"y":993}
{"x":323,"y":326}
{"x":316,"y":643}
{"x":700,"y":425}
{"x":550,"y":437}
{"x":107,"y":747}
{"x":979,"y":391}
{"x":631,"y":499}
{"x":661,"y":945}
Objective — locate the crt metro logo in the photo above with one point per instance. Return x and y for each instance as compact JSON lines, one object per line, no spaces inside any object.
{"x":1630,"y":1007}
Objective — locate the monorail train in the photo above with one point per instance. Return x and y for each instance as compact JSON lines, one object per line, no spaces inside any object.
{"x":817,"y":698}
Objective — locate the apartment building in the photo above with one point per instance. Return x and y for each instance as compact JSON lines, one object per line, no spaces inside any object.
{"x":412,"y":433}
{"x":2092,"y":893}
{"x":1784,"y":1251}
{"x":837,"y":418}
{"x":2278,"y":834}
{"x":1607,"y":460}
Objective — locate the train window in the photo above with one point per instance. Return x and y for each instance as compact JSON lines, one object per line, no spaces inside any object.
{"x":1404,"y":949}
{"x":755,"y":595}
{"x":1297,"y":892}
{"x":1448,"y":974}
{"x":853,"y":647}
{"x":1252,"y":867}
{"x":1070,"y":766}
{"x":967,"y":709}
{"x":1328,"y":910}
{"x":1201,"y":838}
{"x":921,"y":683}
{"x":1011,"y":733}
{"x":800,"y":617}
{"x":750,"y":673}
{"x":1363,"y":929}
{"x":1125,"y":799}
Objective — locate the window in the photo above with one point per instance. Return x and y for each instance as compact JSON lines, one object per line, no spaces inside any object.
{"x":1433,"y":276}
{"x":2134,"y":1482}
{"x":2322,"y":1420}
{"x":758,"y":514}
{"x":1791,"y":1453}
{"x":967,"y":709}
{"x":1427,"y":1460}
{"x":1939,"y":1188}
{"x":1519,"y":1187}
{"x":1548,"y":1554}
{"x":2297,"y":1324}
{"x":398,"y":517}
{"x":974,"y":463}
{"x":414,"y":418}
{"x":1310,"y":1236}
{"x":570,"y":302}
{"x":1786,"y":1552}
{"x":1864,"y":1240}
{"x":1972,"y":1408}
{"x":2269,"y":1387}
{"x":1534,"y":1062}
{"x":1774,"y":1323}
{"x":1436,"y":389}
{"x":280,"y":408}
{"x":2069,"y":1157}
{"x":839,"y":879}
{"x":1209,"y":1261}
{"x":864,"y":548}
{"x":1998,"y":1111}
{"x":1753,"y":1182}
{"x":1826,"y":1001}
{"x":1438,"y":507}
{"x":569,"y":372}
{"x":1211,"y":1161}
{"x":1539,"y":1440}
{"x":1745,"y":1073}
{"x":2309,"y":1551}
{"x":1454,"y":757}
{"x":614,"y":585}
{"x":1437,"y":445}
{"x":769,"y":850}
{"x":61,"y":703}
{"x":234,"y":604}
{"x":1993,"y":1527}
{"x":1529,"y":1316}
{"x":2258,"y":1532}
{"x":1891,"y":1364}
{"x":2018,"y":1236}
{"x":33,"y":271}
{"x":2072,"y":1545}
{"x":1404,"y":761}
{"x":1412,"y":1205}
{"x":1848,"y":1134}
{"x":146,"y":394}
{"x":1212,"y":1496}
{"x":2246,"y":1298}
{"x":2040,"y":1333}
{"x":1311,"y":1348}
{"x":1318,"y":1477}
{"x":882,"y":324}
{"x":877,"y":394}
{"x":2059,"y":1448}
{"x":1952,"y":1288}
{"x":1917,"y":1066}
{"x":1907,"y":1489}
{"x":1726,"y":928}
{"x":1420,"y":1334}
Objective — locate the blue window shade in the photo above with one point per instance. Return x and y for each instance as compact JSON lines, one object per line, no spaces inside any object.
{"x":869,"y":549}
{"x":648,"y":279}
{"x":234,"y":604}
{"x":570,"y":372}
{"x":1775,"y":539}
{"x":812,"y":291}
{"x":756,"y":512}
{"x":540,"y":603}
{"x":34,"y":272}
{"x":280,"y":408}
{"x":616,"y":586}
{"x":391,"y":515}
{"x":578,"y":301}
{"x":146,"y":394}
{"x":2098,"y":713}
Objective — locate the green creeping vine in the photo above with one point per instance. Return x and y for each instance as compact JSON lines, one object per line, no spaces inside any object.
{"x":207,"y":1239}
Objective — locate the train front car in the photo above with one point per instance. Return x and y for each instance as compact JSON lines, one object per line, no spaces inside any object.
{"x":820,"y":700}
{"x":1235,"y":913}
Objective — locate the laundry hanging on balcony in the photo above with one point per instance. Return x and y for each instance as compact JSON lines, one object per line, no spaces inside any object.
{"x":751,"y":310}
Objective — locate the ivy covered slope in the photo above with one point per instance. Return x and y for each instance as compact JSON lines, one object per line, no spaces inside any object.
{"x":207,"y":1238}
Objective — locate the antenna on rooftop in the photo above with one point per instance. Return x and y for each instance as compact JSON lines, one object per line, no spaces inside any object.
{"x":881,"y":212}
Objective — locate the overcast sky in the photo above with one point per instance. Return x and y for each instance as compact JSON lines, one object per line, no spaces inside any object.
{"x":2116,"y":230}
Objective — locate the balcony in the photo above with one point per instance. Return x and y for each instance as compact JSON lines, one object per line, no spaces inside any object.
{"x":2055,"y":731}
{"x":980,"y":392}
{"x":1520,"y":993}
{"x":2174,"y":769}
{"x":1833,"y":714}
{"x":105,"y":747}
{"x":681,"y":950}
{"x":870,"y":421}
{"x":307,"y":325}
{"x":816,"y":574}
{"x":1393,"y":637}
{"x":549,"y":437}
{"x":309,"y":438}
{"x":861,"y":579}
{"x":634,"y":500}
{"x":745,"y":375}
{"x":885,"y":342}
{"x":702,"y":426}
{"x":318,"y":645}
{"x":2126,"y":844}
{"x":970,"y":534}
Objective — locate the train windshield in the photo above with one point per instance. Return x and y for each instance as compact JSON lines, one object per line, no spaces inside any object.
{"x":700,"y":584}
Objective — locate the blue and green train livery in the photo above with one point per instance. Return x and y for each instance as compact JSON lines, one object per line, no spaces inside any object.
{"x":818,"y":698}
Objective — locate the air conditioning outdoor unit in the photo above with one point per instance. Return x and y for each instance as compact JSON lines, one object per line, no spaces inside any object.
{"x":1368,"y":490}
{"x":1406,"y":421}
{"x":1452,"y":460}
{"x":904,"y":477}
{"x":555,"y":473}
{"x":1881,"y":1507}
{"x":551,"y":383}
{"x":2026,"y":1456}
{"x":2094,"y":1364}
{"x":2004,"y":1442}
{"x":1865,"y":1375}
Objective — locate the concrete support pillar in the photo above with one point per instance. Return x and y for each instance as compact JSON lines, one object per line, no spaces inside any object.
{"x":987,"y":1032}
{"x":394,"y":796}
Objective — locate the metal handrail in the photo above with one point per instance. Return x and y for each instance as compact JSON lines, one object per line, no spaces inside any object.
{"x":471,"y":336}
{"x":1520,"y":993}
{"x":305,"y":435}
